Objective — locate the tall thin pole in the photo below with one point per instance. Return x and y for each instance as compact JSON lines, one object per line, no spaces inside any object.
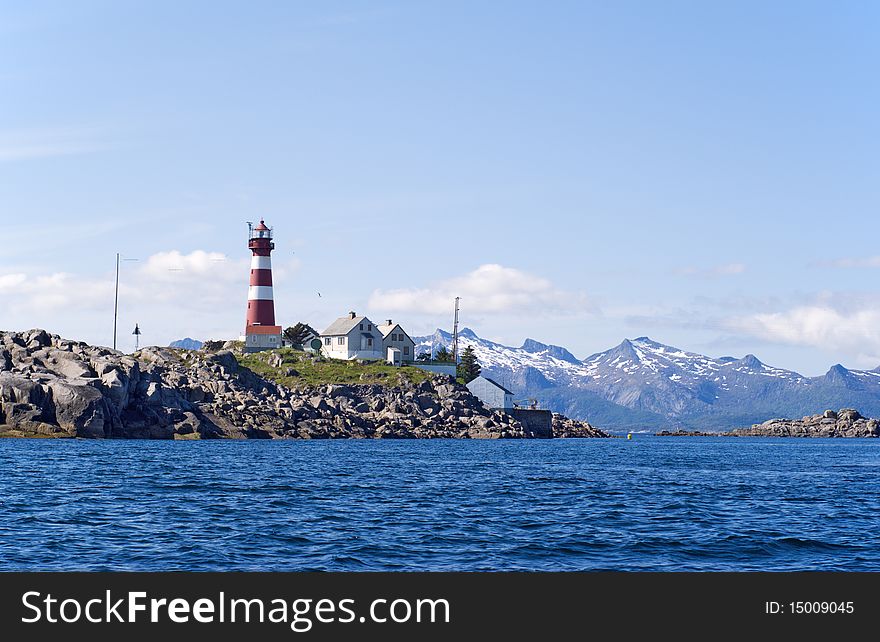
{"x":455,"y":333}
{"x":116,"y":301}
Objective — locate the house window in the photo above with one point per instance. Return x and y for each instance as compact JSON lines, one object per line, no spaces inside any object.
{"x":405,"y":349}
{"x":369,"y":327}
{"x":341,"y":341}
{"x":362,"y":327}
{"x":369,"y":343}
{"x":327,"y":341}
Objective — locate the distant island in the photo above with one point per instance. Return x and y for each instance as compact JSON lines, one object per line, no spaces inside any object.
{"x":847,"y":422}
{"x":187,"y":344}
{"x":55,"y":387}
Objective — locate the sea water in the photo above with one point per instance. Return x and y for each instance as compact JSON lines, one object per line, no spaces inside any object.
{"x":652,"y":503}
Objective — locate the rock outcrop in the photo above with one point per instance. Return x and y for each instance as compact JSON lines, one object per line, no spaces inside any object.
{"x":565,"y":427}
{"x":844,"y":423}
{"x":56,"y":387}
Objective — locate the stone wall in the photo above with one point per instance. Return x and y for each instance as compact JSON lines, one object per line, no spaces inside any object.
{"x":536,"y":423}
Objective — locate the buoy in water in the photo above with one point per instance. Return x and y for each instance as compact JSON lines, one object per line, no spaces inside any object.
{"x":629,"y":435}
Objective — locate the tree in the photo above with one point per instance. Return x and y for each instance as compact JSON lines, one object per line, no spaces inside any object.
{"x":296,"y":335}
{"x":469,"y":368}
{"x":443,"y":355}
{"x":424,"y":356}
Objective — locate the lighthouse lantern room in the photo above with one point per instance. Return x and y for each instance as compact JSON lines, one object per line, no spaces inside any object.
{"x":260,"y":332}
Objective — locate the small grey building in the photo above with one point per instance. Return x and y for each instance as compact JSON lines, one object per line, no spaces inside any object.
{"x":491,"y":393}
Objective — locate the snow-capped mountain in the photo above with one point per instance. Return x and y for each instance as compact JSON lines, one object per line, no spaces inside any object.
{"x":644,"y":384}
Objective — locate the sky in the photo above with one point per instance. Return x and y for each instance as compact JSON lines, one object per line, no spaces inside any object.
{"x":705,"y":174}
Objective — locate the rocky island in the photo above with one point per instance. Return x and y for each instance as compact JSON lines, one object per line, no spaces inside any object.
{"x":844,"y":423}
{"x":55,"y":387}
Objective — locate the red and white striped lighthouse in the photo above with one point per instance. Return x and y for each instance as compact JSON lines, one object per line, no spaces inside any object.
{"x":261,"y":333}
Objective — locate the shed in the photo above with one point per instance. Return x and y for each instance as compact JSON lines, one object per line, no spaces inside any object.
{"x":491,"y":393}
{"x":393,"y":357}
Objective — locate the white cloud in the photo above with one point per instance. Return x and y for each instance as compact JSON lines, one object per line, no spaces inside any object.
{"x":726,"y":269}
{"x":9,"y":282}
{"x":855,"y":333}
{"x":490,"y":288}
{"x":200,"y":294}
{"x":51,"y":293}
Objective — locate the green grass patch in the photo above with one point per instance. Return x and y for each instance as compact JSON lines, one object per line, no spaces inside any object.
{"x":187,"y":437}
{"x":7,"y":432}
{"x":311,"y":373}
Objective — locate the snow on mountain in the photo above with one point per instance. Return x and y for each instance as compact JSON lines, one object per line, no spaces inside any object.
{"x":641,"y":383}
{"x":555,"y":363}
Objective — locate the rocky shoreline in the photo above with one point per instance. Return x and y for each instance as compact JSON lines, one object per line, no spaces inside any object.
{"x":843,"y":423}
{"x":50,"y":387}
{"x":847,"y":422}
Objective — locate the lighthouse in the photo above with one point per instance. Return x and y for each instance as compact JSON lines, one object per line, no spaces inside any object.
{"x":260,"y":332}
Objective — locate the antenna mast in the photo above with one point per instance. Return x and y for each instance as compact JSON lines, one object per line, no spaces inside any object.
{"x":116,"y":301}
{"x":455,"y":333}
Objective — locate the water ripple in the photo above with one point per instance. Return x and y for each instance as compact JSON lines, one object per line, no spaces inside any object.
{"x":647,"y":504}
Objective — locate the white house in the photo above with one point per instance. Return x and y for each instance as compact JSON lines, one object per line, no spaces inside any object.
{"x":352,"y":337}
{"x":394,"y":337}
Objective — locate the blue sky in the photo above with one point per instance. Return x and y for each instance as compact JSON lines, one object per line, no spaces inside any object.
{"x":702,"y":173}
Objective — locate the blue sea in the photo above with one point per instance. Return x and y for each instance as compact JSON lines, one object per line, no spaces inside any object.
{"x":650,"y":504}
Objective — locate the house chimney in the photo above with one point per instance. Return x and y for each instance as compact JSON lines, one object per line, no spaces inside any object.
{"x":388,"y":322}
{"x":351,"y":315}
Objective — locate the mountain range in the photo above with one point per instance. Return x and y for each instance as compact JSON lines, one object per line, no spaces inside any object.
{"x":641,"y":384}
